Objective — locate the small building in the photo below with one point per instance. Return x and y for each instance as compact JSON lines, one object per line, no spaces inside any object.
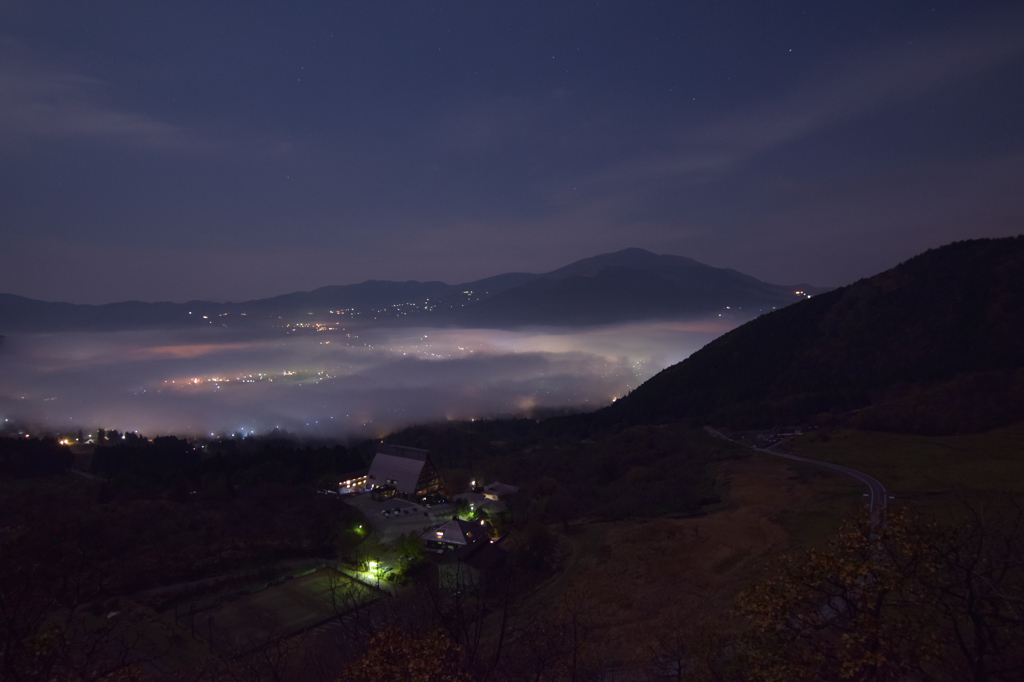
{"x":405,"y":472}
{"x":454,"y":534}
{"x":479,"y":502}
{"x":474,"y":499}
{"x":478,"y":566}
{"x":354,"y":482}
{"x":495,"y":491}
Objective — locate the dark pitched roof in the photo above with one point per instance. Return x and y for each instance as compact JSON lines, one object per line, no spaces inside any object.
{"x":403,"y":451}
{"x":485,"y":557}
{"x":500,"y":489}
{"x":475,"y":498}
{"x":455,"y":532}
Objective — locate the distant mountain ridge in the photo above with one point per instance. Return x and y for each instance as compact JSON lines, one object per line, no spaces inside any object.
{"x":934,"y":345}
{"x":633,"y":284}
{"x":627,"y":285}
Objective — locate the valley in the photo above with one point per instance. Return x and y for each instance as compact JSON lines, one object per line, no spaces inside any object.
{"x":682,"y":528}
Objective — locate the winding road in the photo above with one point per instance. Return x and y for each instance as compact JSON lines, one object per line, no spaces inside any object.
{"x":877,"y":496}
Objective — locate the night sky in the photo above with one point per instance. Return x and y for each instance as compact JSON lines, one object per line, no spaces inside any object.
{"x":230,"y":151}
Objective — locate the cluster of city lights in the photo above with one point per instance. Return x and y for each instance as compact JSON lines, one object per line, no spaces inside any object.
{"x":309,"y":326}
{"x":259,"y":377}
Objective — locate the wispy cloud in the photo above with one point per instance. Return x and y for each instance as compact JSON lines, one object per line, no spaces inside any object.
{"x":863,"y":85}
{"x":37,"y":102}
{"x":845,"y":91}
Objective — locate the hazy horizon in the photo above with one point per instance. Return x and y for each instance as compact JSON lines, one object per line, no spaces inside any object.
{"x":196,"y":152}
{"x":70,"y":297}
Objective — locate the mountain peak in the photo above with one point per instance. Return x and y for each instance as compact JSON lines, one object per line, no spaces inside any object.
{"x":632,"y":251}
{"x":631,"y":258}
{"x":625,"y":285}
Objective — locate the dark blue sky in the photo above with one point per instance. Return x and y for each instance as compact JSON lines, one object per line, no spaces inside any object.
{"x":167,"y":151}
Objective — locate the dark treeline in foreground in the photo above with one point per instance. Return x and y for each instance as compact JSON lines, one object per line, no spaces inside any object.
{"x":164,"y":511}
{"x":91,"y":564}
{"x":174,"y":463}
{"x":636,"y":472}
{"x":156,"y":527}
{"x":28,"y":456}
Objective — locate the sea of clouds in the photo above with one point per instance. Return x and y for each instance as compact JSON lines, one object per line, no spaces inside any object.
{"x":359,"y":382}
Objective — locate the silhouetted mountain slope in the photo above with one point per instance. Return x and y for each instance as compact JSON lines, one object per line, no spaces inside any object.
{"x":936,"y":345}
{"x":369,"y":294}
{"x":632,"y":284}
{"x":20,"y":314}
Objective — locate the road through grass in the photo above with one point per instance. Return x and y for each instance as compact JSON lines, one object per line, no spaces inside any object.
{"x":923,"y":467}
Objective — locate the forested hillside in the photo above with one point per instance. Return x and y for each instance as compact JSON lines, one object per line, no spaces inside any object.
{"x":934,"y":345}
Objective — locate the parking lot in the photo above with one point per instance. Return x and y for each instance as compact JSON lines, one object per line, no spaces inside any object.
{"x":402,"y":516}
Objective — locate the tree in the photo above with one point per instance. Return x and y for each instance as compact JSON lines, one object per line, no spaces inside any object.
{"x":909,"y":597}
{"x":53,"y":625}
{"x":562,"y":507}
{"x":679,"y":649}
{"x":395,"y":657}
{"x":554,"y":645}
{"x":973,"y":583}
{"x":827,"y":614}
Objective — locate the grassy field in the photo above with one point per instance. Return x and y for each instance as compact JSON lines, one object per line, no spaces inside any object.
{"x":634,"y":580}
{"x":831,"y":499}
{"x":642,"y":578}
{"x":251,"y":620}
{"x":270,"y":625}
{"x":924,"y":467}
